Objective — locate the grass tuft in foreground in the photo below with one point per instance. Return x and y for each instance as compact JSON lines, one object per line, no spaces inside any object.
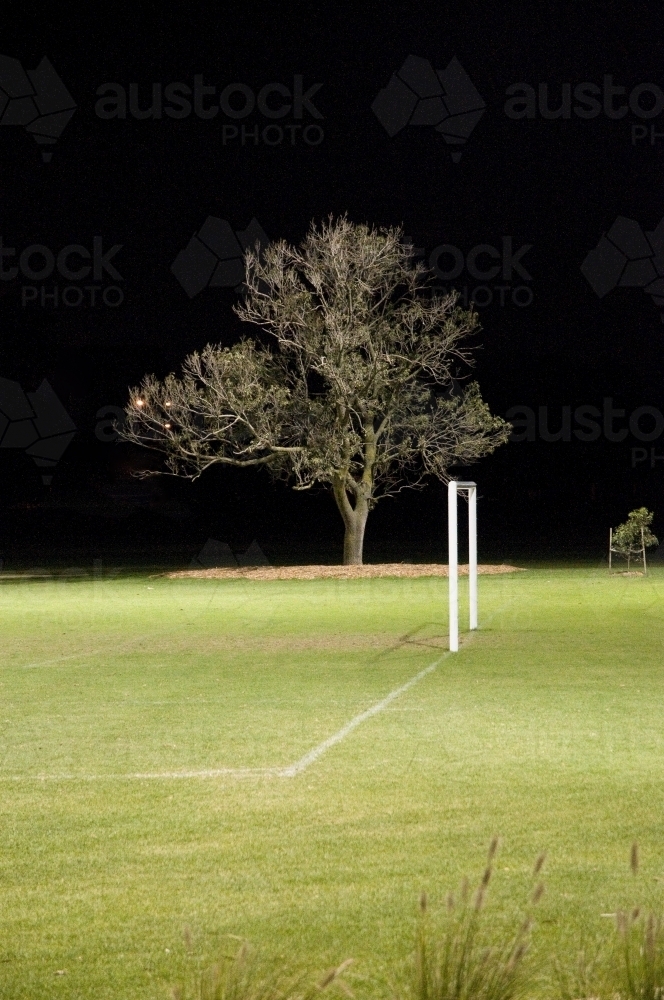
{"x":628,"y":966}
{"x":472,"y":960}
{"x":241,"y":975}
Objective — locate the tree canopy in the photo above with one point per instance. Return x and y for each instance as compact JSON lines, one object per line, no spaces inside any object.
{"x":350,"y":384}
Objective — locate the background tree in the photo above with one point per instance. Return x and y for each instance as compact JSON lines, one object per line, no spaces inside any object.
{"x":351,"y":388}
{"x":631,"y":539}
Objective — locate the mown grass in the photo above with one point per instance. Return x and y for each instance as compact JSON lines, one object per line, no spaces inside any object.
{"x":544,"y":729}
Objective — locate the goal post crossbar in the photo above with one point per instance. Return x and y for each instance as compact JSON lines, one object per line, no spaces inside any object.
{"x":455,"y":487}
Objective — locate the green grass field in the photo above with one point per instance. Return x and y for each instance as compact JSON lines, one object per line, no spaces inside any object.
{"x":546,"y":728}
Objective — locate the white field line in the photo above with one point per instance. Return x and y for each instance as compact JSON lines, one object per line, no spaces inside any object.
{"x":218,"y":772}
{"x":292,"y":770}
{"x":310,"y":758}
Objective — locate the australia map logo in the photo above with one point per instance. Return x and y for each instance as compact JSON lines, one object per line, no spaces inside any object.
{"x":36,"y":100}
{"x":34,"y":422}
{"x":628,"y":257}
{"x":214,"y":256}
{"x":445,"y":100}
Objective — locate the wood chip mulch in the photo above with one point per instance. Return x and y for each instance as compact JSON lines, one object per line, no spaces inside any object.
{"x":337,"y":572}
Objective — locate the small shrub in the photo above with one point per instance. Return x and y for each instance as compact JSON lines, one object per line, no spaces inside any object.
{"x":631,"y":539}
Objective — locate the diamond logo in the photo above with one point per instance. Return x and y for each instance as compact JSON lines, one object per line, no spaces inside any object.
{"x":445,"y":100}
{"x":214,"y":255}
{"x":37,"y":100}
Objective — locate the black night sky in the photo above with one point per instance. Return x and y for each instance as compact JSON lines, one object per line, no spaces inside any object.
{"x":527,"y":177}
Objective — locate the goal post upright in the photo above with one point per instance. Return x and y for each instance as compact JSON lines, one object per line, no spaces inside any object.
{"x":453,"y":489}
{"x":472,"y":554}
{"x":453,"y":564}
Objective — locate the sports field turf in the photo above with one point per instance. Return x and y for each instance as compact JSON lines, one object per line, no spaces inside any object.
{"x":546,"y":728}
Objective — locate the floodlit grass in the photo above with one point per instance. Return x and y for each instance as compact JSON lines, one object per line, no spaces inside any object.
{"x":545,"y":729}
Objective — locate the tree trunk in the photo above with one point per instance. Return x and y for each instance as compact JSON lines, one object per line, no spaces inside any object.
{"x":355,"y":520}
{"x":354,"y":537}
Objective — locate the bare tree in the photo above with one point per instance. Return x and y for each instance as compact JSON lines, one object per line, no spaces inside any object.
{"x":351,"y":388}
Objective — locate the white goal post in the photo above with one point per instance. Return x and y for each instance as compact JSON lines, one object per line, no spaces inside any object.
{"x":455,"y":487}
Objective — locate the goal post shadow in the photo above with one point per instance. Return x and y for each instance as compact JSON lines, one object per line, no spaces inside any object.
{"x":454,"y":487}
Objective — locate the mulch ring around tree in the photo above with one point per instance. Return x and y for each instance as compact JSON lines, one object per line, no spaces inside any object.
{"x":337,"y":572}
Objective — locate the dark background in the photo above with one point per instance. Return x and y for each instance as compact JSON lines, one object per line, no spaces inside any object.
{"x":149,"y":185}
